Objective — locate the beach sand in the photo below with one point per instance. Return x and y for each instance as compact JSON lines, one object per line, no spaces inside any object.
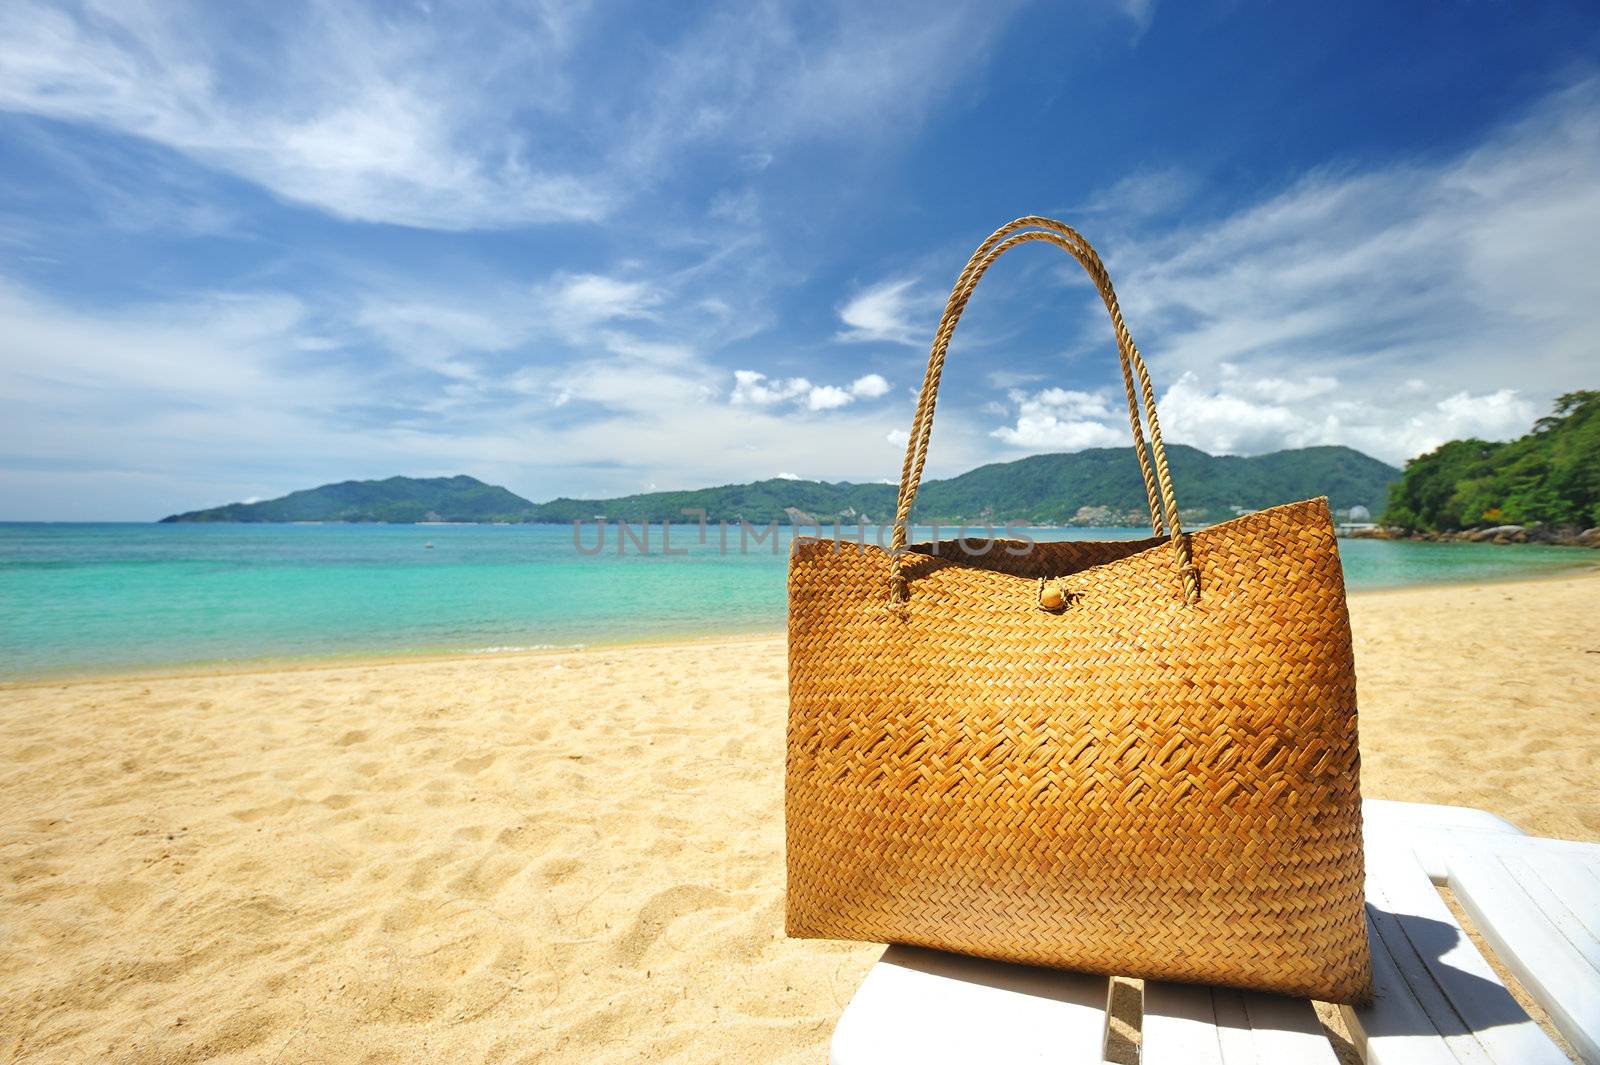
{"x":571,"y":857}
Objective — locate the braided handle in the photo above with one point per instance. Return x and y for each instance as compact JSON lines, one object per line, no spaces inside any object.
{"x":1157,"y":482}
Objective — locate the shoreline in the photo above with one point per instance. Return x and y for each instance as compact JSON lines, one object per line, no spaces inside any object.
{"x":361,"y":660}
{"x":256,"y":666}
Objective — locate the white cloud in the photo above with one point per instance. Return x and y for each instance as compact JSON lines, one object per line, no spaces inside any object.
{"x":1279,"y":390}
{"x":1498,"y":415}
{"x":1058,"y":418}
{"x":626,"y":386}
{"x":1243,"y":417}
{"x":1240,"y":415}
{"x":1228,"y":423}
{"x":1360,"y":307}
{"x":882,"y":312}
{"x":757,"y":389}
{"x":751,"y":388}
{"x":869,"y":386}
{"x":828,"y":397}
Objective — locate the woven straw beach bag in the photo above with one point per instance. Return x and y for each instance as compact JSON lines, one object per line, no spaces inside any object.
{"x":1135,"y":757}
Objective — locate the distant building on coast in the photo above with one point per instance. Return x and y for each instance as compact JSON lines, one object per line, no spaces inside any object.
{"x":1356,"y":520}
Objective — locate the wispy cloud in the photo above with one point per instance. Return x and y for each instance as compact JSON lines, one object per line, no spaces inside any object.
{"x":579,"y":302}
{"x":1436,"y":271}
{"x":784,"y":75}
{"x":352,"y":114}
{"x":1140,"y":12}
{"x":886,"y":311}
{"x":128,"y":188}
{"x":189,"y":404}
{"x":1382,"y":308}
{"x":428,"y":119}
{"x":1143,"y":194}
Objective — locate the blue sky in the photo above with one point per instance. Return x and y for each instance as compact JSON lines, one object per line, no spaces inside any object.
{"x":589,"y":249}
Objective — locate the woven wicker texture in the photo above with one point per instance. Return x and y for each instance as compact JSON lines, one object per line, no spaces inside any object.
{"x":1158,"y":779}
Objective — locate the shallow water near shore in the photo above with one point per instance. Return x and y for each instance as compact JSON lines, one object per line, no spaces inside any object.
{"x":105,"y":598}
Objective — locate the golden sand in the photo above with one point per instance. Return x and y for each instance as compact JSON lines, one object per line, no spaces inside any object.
{"x":567,"y":857}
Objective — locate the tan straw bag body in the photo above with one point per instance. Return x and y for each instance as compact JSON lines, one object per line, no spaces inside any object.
{"x":1134,"y":757}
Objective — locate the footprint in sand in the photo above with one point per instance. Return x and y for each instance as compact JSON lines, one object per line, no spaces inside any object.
{"x":120,"y":896}
{"x":663,"y":908}
{"x":256,"y":813}
{"x":474,"y":765}
{"x":559,"y":870}
{"x":485,"y":877}
{"x":451,"y":962}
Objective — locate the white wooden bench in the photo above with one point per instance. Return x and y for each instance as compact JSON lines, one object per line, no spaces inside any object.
{"x":1536,"y":902}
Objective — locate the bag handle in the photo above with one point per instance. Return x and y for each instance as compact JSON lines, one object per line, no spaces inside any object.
{"x":1163,"y":503}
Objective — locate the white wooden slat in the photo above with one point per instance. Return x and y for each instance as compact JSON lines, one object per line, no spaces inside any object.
{"x":1477,"y":997}
{"x":1506,"y":843}
{"x":1537,"y":934}
{"x":1394,"y":1029}
{"x":1428,"y":815}
{"x":1287,"y":1029}
{"x":1568,"y":894}
{"x":1186,"y":1024}
{"x":1464,"y":1002}
{"x":1439,"y":1020}
{"x":1425,"y":828}
{"x":1180,"y":1026}
{"x":1233,"y":1027}
{"x":925,"y":1007}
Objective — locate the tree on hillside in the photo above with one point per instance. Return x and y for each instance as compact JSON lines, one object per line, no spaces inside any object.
{"x":1550,"y":476}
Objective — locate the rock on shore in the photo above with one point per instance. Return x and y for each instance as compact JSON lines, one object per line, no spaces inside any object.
{"x":1558,"y":535}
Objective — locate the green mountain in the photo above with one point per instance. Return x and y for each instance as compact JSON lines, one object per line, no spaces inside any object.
{"x":1100,"y":486}
{"x":1549,"y":477}
{"x":397,"y":499}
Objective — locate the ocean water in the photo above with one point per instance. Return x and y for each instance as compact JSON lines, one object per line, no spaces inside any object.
{"x":81,"y":599}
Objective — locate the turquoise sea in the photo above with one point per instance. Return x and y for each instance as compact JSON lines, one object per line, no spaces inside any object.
{"x":81,"y":599}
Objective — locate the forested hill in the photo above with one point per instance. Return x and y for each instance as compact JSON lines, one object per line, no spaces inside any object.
{"x":1549,"y":477}
{"x":1100,"y":486}
{"x":396,"y":499}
